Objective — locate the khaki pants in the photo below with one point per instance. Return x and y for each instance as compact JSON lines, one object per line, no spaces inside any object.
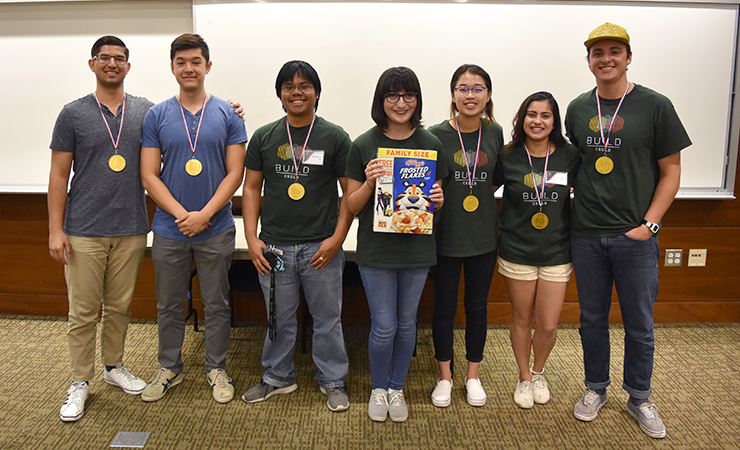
{"x":100,"y":270}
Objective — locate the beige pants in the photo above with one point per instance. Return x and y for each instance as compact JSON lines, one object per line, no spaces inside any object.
{"x":100,"y":270}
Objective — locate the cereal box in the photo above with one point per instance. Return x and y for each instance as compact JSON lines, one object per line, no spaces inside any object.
{"x":402,"y":198}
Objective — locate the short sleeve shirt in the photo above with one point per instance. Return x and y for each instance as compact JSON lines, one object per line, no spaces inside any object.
{"x":462,"y":233}
{"x":646,"y":130}
{"x":102,"y":202}
{"x":390,"y":250}
{"x":164,"y":129}
{"x":521,"y":242}
{"x":314,"y":216}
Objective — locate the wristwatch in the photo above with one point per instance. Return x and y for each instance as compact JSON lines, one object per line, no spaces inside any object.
{"x":654,"y":227}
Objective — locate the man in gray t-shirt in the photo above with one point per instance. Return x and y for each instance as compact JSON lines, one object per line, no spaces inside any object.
{"x":98,"y":229}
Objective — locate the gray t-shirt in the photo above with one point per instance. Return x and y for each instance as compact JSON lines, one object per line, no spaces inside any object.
{"x":101,"y":202}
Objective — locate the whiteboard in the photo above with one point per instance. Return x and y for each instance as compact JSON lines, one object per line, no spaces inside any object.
{"x":44,"y":49}
{"x":686,"y":51}
{"x":526,"y":47}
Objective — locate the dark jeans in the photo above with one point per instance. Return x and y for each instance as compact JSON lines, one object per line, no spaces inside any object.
{"x":632,"y":266}
{"x":446,"y":278}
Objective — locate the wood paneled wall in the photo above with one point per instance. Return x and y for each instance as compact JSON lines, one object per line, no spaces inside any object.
{"x":31,"y":282}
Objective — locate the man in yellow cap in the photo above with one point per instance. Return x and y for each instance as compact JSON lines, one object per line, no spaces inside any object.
{"x":630,"y":139}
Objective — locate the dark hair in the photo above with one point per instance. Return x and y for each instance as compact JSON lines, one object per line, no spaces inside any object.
{"x":475,"y":70}
{"x":305,"y":70}
{"x":518,"y":135}
{"x":187,"y":41}
{"x":588,"y":50}
{"x":108,"y":40}
{"x":392,"y":80}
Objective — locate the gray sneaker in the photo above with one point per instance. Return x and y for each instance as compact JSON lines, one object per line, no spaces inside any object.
{"x":377,"y":407}
{"x":587,"y":408}
{"x":262,"y":391}
{"x":647,"y":415}
{"x":397,"y":409}
{"x":337,"y":398}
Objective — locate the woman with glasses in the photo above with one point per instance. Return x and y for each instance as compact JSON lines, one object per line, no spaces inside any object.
{"x":466,"y":228}
{"x":537,"y":170}
{"x":393,"y":266}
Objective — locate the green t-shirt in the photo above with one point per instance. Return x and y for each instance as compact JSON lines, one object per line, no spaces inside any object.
{"x":521,"y":242}
{"x":647,"y":129}
{"x":461,"y":233}
{"x":314,"y":217}
{"x":390,"y":250}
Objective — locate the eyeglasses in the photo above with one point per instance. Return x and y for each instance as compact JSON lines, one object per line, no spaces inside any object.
{"x":476,"y":90}
{"x":408,"y":97}
{"x":105,"y":59}
{"x":288,"y":88}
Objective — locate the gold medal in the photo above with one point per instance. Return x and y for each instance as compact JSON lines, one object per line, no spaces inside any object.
{"x":193,"y":167}
{"x":116,"y":163}
{"x":296,"y":191}
{"x":470,"y":203}
{"x":540,"y":221}
{"x":604,"y":165}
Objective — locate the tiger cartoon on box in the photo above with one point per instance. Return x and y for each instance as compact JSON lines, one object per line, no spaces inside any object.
{"x":413,"y":197}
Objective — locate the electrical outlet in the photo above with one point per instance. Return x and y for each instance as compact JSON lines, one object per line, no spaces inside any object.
{"x":697,"y":257}
{"x":673,"y":257}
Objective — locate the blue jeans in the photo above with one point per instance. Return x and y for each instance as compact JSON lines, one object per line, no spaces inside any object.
{"x":393,"y":296}
{"x":323,"y":291}
{"x":632,"y":266}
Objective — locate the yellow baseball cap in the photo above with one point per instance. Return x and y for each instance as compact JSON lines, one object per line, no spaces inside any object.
{"x":607,"y":31}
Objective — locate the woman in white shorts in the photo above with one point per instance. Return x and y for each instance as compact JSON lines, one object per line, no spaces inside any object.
{"x":536,"y":169}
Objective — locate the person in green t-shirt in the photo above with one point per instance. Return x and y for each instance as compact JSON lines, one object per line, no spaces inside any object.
{"x":299,"y":159}
{"x":393,"y":266}
{"x":630,"y":139}
{"x":466,"y":228}
{"x":537,"y":170}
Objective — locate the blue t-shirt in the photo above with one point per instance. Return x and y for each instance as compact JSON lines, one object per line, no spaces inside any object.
{"x":164,"y":129}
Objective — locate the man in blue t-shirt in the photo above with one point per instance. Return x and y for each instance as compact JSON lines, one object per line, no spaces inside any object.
{"x":192,"y":162}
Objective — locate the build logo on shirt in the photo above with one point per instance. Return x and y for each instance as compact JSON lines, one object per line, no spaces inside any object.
{"x":593,"y":124}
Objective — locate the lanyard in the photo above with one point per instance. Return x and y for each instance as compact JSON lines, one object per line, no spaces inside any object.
{"x":471,"y":176}
{"x":611,"y":124}
{"x":120,"y":127}
{"x":200,"y":122}
{"x":540,"y":197}
{"x":297,"y":163}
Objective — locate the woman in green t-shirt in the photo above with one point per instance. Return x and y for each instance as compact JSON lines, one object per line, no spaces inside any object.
{"x":466,"y":229}
{"x":536,"y":169}
{"x":393,"y":266}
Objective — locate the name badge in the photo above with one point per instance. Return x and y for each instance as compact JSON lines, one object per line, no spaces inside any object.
{"x":557,"y":178}
{"x":313,"y":157}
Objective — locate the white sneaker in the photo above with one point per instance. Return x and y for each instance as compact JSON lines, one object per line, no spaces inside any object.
{"x":540,"y":391}
{"x":523,"y":396}
{"x":74,"y":407}
{"x":124,"y":379}
{"x":442,"y":394}
{"x":476,"y":394}
{"x":221,"y":387}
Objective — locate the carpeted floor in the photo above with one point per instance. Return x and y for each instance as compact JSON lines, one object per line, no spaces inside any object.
{"x":696,"y":385}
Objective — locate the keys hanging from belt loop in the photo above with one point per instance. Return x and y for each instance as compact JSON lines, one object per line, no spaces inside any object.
{"x":273,"y":256}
